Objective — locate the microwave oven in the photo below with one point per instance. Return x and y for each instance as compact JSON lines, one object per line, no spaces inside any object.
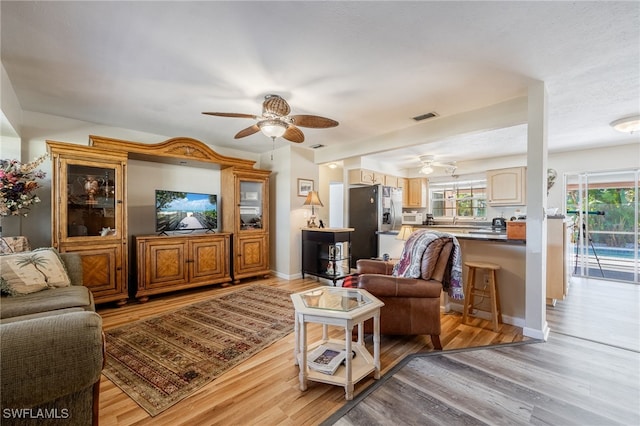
{"x":412,"y":218}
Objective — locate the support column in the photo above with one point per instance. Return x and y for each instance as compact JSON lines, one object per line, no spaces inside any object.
{"x":536,"y":253}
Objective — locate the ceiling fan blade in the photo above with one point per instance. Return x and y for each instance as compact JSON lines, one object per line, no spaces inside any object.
{"x":247,"y":132}
{"x":274,"y":104}
{"x":231,"y":114}
{"x":313,"y":121}
{"x":294,"y":134}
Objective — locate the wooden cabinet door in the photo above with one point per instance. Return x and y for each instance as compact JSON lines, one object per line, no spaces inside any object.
{"x":391,"y":181}
{"x":378,"y":178}
{"x":404,"y":186}
{"x":557,"y":273}
{"x":102,"y":270}
{"x":417,"y":193}
{"x":363,"y":176}
{"x":251,"y":255}
{"x":207,"y":259}
{"x":164,"y":264}
{"x":506,"y":187}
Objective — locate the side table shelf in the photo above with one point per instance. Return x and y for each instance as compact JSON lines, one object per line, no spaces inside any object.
{"x":326,"y":252}
{"x":361,"y":365}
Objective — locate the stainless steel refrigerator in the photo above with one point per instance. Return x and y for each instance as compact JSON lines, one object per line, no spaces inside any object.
{"x":372,"y":209}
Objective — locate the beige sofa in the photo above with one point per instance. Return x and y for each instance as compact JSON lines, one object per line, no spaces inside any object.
{"x":51,"y":355}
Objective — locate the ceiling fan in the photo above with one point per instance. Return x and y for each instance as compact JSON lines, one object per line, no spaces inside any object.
{"x":428,"y":162}
{"x":276,"y":122}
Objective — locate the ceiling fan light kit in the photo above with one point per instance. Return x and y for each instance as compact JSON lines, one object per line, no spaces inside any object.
{"x":428,"y":162}
{"x":426,"y":170}
{"x":276,"y":122}
{"x":273,"y":128}
{"x":627,"y":124}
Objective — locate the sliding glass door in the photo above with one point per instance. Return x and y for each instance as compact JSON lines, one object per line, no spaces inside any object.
{"x":604,"y":207}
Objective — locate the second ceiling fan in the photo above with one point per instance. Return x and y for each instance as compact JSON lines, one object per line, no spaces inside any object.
{"x":275,"y":121}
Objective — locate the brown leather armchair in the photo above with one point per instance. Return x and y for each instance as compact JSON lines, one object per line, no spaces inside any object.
{"x":411,"y":305}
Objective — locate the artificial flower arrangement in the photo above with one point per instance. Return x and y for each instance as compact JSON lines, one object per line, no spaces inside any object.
{"x":18,"y":183}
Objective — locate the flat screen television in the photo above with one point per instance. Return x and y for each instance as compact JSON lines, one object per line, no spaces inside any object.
{"x":185,"y":211}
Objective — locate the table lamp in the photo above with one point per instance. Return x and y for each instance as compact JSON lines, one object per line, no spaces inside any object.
{"x":312,"y":200}
{"x":404,"y":233}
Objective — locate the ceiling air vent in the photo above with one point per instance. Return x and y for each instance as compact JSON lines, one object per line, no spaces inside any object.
{"x":425,"y":116}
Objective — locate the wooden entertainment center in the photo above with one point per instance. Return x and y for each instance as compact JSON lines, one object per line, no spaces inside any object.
{"x":89,"y":202}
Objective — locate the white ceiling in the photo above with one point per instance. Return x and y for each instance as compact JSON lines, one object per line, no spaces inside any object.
{"x":155,"y":66}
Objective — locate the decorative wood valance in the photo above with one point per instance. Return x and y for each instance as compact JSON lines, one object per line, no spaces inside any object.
{"x":181,"y":150}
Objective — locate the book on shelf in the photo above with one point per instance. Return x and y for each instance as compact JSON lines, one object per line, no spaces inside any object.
{"x":325,"y":360}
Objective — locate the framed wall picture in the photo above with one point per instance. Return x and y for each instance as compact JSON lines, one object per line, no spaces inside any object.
{"x":304,"y":186}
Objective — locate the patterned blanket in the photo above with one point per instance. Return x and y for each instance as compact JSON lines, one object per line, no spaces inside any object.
{"x":414,"y":249}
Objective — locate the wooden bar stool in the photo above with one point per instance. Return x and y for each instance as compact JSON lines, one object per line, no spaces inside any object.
{"x":489,"y":291}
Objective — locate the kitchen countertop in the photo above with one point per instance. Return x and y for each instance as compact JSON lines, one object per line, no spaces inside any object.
{"x":469,"y":232}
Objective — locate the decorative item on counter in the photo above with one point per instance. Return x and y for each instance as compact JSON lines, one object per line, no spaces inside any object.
{"x":429,"y":221}
{"x":18,"y":183}
{"x":517,"y":230}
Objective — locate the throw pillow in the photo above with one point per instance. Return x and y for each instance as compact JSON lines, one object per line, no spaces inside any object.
{"x":28,"y":272}
{"x":350,"y":281}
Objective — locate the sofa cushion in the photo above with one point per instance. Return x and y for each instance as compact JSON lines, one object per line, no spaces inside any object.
{"x":29,"y":272}
{"x":47,"y":300}
{"x":4,"y":321}
{"x":430,"y":257}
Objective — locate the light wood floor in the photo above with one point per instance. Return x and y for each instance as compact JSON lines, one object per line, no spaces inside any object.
{"x":264,"y":389}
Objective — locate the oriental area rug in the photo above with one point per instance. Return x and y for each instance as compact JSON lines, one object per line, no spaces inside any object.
{"x":162,"y":360}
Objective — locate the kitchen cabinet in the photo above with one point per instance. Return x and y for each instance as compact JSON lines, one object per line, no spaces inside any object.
{"x":177,"y":262}
{"x":391,"y":181}
{"x":506,"y":187}
{"x":245,"y":214}
{"x":366,"y":177}
{"x":404,"y":186}
{"x":89,"y":215}
{"x":558,"y":259}
{"x":417,"y":193}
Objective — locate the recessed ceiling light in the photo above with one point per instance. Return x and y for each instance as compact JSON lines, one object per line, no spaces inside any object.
{"x":628,"y":124}
{"x":332,"y":165}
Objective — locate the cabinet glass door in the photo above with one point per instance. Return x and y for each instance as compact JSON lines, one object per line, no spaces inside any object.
{"x":251,"y":204}
{"x":90,"y":201}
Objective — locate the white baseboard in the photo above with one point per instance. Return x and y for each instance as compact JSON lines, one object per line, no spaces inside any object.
{"x":537,"y":334}
{"x":457,"y":307}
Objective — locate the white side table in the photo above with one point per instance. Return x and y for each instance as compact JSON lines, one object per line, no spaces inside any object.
{"x":343,"y":307}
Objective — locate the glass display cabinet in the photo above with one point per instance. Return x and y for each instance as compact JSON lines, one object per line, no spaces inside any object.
{"x":89,"y":215}
{"x":245,"y":214}
{"x":91,"y":203}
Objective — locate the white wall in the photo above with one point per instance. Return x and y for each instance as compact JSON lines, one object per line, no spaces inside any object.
{"x":144,"y":177}
{"x":11,"y":110}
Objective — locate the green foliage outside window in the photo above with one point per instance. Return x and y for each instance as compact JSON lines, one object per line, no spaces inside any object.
{"x":618,"y":205}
